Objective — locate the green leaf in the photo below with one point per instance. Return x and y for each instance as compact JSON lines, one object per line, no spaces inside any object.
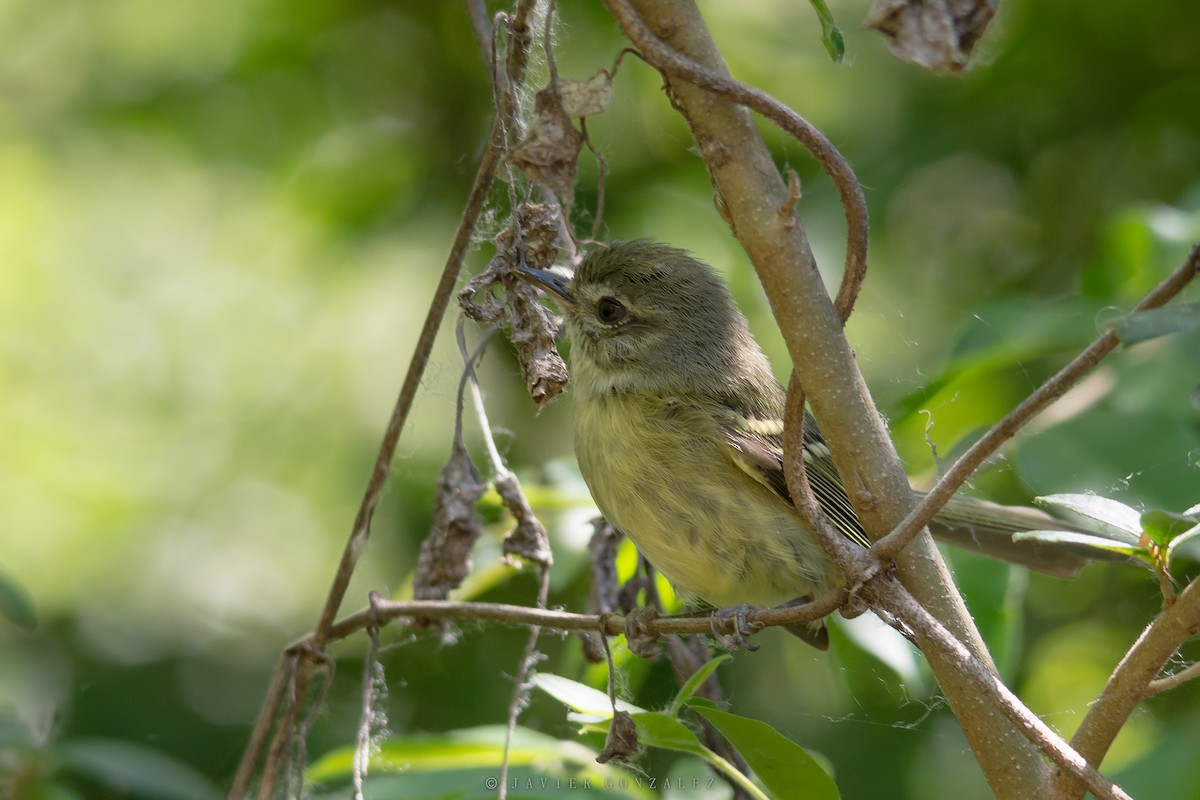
{"x":659,"y":729}
{"x":1098,"y":515}
{"x":1163,"y":526}
{"x":1141,"y":326}
{"x":1190,"y":535}
{"x":784,"y":767}
{"x":524,"y":783}
{"x":14,"y":735}
{"x":831,"y":35}
{"x":1082,"y":542}
{"x":592,"y":705}
{"x":16,"y":605}
{"x":656,"y":729}
{"x":464,"y":749}
{"x":131,"y":769}
{"x":692,"y":685}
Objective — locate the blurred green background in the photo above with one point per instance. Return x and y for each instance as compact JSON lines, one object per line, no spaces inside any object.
{"x":220,"y":226}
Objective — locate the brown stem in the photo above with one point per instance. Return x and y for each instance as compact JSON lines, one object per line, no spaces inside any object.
{"x":673,"y":63}
{"x":357,"y":542}
{"x":1127,"y":685}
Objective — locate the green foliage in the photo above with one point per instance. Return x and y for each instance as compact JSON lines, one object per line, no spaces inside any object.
{"x":785,"y":769}
{"x":467,"y":763}
{"x":1154,"y":537}
{"x":220,"y":225}
{"x":1144,"y":325}
{"x":16,"y":606}
{"x":831,"y":35}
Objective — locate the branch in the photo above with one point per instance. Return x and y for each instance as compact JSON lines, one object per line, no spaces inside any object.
{"x":893,"y":596}
{"x":883,"y":592}
{"x":360,"y":533}
{"x":745,"y":176}
{"x":1129,"y":682}
{"x":610,"y":624}
{"x":953,"y":479}
{"x":671,"y":62}
{"x":852,"y":560}
{"x":1188,"y":673}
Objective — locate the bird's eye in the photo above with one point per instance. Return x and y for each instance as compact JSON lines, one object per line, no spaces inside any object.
{"x":610,"y":311}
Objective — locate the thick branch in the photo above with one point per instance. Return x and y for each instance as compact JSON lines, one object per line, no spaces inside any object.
{"x":889,"y":594}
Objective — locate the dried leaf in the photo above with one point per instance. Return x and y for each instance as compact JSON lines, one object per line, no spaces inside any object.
{"x":446,"y":552}
{"x":638,"y":636}
{"x":936,"y":34}
{"x":549,"y":153}
{"x":534,"y":329}
{"x":588,"y":97}
{"x":603,"y":594}
{"x":622,"y":741}
{"x":528,"y":539}
{"x":531,"y":240}
{"x":604,"y":590}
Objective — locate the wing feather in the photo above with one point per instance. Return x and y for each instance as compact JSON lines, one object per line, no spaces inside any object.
{"x":756,"y":446}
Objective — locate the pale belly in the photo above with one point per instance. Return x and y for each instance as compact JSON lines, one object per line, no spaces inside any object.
{"x":713,"y":531}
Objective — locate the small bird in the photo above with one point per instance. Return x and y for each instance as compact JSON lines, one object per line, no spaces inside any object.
{"x":679,"y":436}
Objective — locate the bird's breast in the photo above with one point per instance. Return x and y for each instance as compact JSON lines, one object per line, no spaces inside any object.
{"x":660,"y":472}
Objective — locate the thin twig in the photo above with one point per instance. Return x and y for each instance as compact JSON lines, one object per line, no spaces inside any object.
{"x":670,"y":62}
{"x":1127,"y":685}
{"x":298,"y":672}
{"x":529,"y":659}
{"x":886,"y":548}
{"x":280,"y":681}
{"x":367,"y":721}
{"x":378,"y":479}
{"x":277,"y":755}
{"x":469,"y":380}
{"x":608,"y":624}
{"x":849,"y":558}
{"x":481,"y":25}
{"x":1175,"y":680}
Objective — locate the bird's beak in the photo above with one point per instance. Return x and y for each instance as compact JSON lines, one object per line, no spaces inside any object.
{"x":552,"y":282}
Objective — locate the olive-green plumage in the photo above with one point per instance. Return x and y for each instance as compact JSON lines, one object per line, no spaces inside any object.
{"x":678,"y":432}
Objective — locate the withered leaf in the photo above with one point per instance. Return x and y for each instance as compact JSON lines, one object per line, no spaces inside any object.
{"x":549,"y":153}
{"x":528,"y":540}
{"x":587,"y":97}
{"x":530,"y":240}
{"x":936,"y":34}
{"x":622,"y":741}
{"x":445,"y":558}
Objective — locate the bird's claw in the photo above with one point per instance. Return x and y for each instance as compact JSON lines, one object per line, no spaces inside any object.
{"x":743,"y":629}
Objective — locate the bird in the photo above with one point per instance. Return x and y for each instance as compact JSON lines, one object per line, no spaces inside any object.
{"x":678,"y":432}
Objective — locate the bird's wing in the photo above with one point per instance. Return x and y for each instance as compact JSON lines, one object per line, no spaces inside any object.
{"x":756,"y":446}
